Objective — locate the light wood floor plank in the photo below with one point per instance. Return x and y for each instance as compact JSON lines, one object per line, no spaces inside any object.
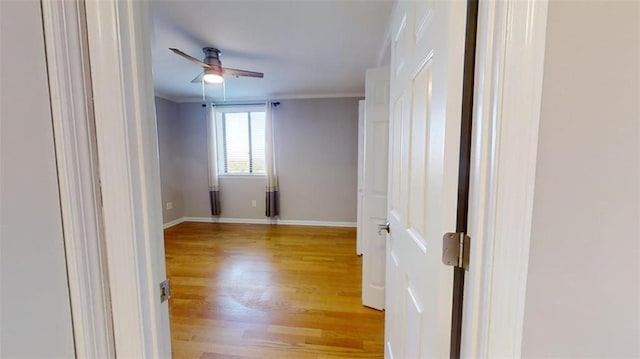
{"x":261,"y":291}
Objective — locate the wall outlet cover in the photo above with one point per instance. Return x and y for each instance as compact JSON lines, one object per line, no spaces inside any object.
{"x":169,"y":205}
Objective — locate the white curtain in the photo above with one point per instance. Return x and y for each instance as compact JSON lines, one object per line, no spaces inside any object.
{"x":272,"y":189}
{"x":212,"y":138}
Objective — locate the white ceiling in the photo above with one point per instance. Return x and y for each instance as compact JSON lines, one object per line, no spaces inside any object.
{"x":304,"y":48}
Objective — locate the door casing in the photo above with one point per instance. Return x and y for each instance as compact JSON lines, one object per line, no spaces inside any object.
{"x":508,"y":91}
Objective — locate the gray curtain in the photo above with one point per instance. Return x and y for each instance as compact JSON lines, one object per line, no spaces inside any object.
{"x":272,"y":201}
{"x":214,"y":198}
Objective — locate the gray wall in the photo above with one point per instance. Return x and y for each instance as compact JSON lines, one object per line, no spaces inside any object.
{"x":171,"y":169}
{"x":236,"y":193}
{"x":316,"y":146}
{"x":583,"y":287}
{"x":317,"y":152}
{"x":35,"y":311}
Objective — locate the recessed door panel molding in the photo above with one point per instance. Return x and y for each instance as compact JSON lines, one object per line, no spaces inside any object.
{"x":424,"y":15}
{"x":403,"y":151}
{"x":419,"y":154}
{"x":399,"y":44}
{"x":414,"y":327}
{"x":380,"y":133}
{"x":396,"y":313}
{"x":418,"y":240}
{"x":395,"y":158}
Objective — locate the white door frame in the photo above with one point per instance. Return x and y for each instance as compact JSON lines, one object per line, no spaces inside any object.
{"x":508,"y":93}
{"x":511,"y":42}
{"x":74,"y":135}
{"x":112,"y":221}
{"x":119,"y":37}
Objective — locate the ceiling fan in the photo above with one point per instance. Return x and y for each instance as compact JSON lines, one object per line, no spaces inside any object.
{"x":213,"y":70}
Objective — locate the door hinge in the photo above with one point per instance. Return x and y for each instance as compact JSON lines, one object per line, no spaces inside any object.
{"x":165,"y":291}
{"x":455,"y":249}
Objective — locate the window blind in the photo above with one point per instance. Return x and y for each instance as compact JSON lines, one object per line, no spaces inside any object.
{"x":243,"y":135}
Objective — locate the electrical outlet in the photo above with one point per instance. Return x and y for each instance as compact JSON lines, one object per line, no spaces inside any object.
{"x":169,"y":206}
{"x":254,"y":203}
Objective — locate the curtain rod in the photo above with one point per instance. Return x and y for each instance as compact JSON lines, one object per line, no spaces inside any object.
{"x":275,"y":103}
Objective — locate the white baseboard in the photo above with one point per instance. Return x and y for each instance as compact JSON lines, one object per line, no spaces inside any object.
{"x":293,"y":222}
{"x":285,"y":222}
{"x":227,"y":220}
{"x":173,"y":223}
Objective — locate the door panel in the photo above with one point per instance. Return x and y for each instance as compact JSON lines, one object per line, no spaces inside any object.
{"x":418,"y":153}
{"x":426,"y":94}
{"x":375,"y":185}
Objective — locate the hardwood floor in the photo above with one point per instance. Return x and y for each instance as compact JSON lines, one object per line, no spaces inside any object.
{"x":261,"y":291}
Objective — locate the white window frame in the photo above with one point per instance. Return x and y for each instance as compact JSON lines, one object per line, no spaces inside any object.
{"x":219,"y":121}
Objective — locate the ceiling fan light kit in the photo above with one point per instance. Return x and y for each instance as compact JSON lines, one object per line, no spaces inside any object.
{"x":212,"y":76}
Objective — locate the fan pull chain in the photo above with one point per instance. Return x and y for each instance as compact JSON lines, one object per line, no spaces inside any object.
{"x":203,"y":96}
{"x":224,"y":91}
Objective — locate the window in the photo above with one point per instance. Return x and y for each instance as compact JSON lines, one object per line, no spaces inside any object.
{"x":241,"y":146}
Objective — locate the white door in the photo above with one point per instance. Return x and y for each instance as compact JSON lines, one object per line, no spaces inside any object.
{"x":359,"y":235}
{"x":426,"y":99}
{"x":374,"y":205}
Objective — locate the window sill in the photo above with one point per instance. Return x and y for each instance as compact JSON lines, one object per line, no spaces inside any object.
{"x":242,"y":175}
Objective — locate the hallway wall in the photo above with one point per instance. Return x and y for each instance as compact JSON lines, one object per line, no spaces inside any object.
{"x":35,"y":313}
{"x":583,"y":289}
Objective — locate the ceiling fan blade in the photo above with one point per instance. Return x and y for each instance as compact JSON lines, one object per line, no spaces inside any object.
{"x":237,"y":73}
{"x":198,"y":78}
{"x":190,"y":58}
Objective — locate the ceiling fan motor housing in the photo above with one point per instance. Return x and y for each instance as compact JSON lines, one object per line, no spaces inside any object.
{"x":212,"y":58}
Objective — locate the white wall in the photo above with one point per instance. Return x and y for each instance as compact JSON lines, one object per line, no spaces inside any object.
{"x":583,"y":286}
{"x":35,"y":317}
{"x":316,"y":146}
{"x":171,"y":168}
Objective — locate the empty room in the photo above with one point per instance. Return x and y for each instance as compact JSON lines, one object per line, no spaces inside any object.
{"x":258,"y":107}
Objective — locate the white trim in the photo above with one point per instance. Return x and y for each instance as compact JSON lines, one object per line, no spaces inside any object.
{"x":271,"y":98}
{"x":286,"y":222}
{"x":69,"y":84}
{"x":292,"y":222}
{"x":509,"y":70}
{"x":228,"y":220}
{"x":257,"y":176}
{"x":175,"y":222}
{"x":168,"y":98}
{"x":120,"y":52}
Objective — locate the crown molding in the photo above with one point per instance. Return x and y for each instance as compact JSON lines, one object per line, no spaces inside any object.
{"x":269,"y":98}
{"x":165,"y":97}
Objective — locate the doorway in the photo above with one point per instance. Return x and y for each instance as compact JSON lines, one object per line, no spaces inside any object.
{"x":133,"y":231}
{"x":315,"y":141}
